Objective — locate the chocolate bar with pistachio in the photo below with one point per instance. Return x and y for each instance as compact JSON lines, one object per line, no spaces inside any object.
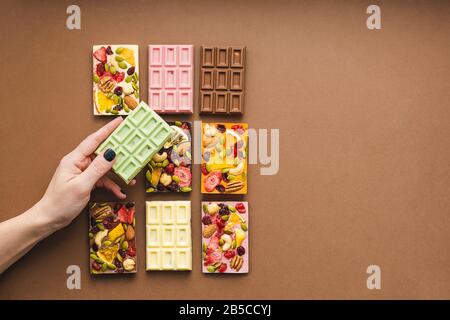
{"x":112,"y":238}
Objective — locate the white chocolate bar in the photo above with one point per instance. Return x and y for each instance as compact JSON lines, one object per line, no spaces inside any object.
{"x":169,"y":244}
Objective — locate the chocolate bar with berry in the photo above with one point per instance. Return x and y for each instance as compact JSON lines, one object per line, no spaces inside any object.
{"x":112,"y":238}
{"x":115,"y":77}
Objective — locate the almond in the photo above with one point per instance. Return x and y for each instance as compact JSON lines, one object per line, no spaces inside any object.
{"x":209,"y":230}
{"x":130,"y":234}
{"x":130,"y":102}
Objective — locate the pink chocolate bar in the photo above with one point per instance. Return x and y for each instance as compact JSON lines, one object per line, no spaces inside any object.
{"x":171,"y":78}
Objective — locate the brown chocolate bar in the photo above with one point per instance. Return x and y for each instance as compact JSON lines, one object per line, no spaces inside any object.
{"x":222,"y":72}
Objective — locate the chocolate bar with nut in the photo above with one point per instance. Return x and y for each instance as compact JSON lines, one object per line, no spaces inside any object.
{"x":112,"y":238}
{"x":225,"y":237}
{"x":224,"y":158}
{"x":170,"y":170}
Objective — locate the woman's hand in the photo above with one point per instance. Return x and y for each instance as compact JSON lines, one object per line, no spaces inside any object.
{"x":76,"y":176}
{"x":66,"y":196}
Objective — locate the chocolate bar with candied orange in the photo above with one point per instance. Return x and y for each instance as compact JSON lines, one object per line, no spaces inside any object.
{"x":224,"y":158}
{"x":112,"y":238}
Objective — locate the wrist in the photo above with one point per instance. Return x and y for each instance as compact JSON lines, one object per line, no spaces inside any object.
{"x":43,"y":218}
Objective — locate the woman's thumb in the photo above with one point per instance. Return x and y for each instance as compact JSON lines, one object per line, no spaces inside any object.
{"x":98,"y":168}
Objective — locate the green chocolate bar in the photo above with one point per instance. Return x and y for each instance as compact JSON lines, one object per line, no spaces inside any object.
{"x":136,"y":140}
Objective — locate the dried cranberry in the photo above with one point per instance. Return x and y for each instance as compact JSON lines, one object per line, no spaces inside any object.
{"x":95,"y":229}
{"x":118,"y":91}
{"x":240,"y":250}
{"x":118,"y":107}
{"x":229,"y":254}
{"x":129,"y":205}
{"x":109,"y":223}
{"x":220,"y":188}
{"x":221,"y":128}
{"x":100,"y":69}
{"x":118,"y":264}
{"x":94,"y":247}
{"x":186,"y":126}
{"x":130,"y":70}
{"x":122,"y":253}
{"x":161,"y":187}
{"x":240,"y":207}
{"x":96,"y":266}
{"x":118,"y":76}
{"x":109,"y":50}
{"x":131,"y":251}
{"x":222,"y":205}
{"x":223,"y":267}
{"x":206,"y":220}
{"x":224,"y":177}
{"x":173,"y":186}
{"x":220,"y":224}
{"x":204,"y":170}
{"x":170,"y":168}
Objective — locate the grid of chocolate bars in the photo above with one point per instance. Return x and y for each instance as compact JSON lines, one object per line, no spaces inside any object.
{"x":145,"y":142}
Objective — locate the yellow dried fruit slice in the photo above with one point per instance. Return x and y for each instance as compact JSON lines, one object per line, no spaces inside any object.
{"x":118,"y":231}
{"x":156,"y":174}
{"x":102,"y":102}
{"x":108,"y":254}
{"x":128,"y":56}
{"x":235,"y":218}
{"x":240,"y":237}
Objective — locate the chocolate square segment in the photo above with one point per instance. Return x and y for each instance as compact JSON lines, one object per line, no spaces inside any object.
{"x":236,"y":80}
{"x":206,"y":101}
{"x":208,"y":56}
{"x":222,"y":57}
{"x":221,"y":102}
{"x":237,"y":57}
{"x":236,"y":102}
{"x":207,"y":79}
{"x":222,"y":79}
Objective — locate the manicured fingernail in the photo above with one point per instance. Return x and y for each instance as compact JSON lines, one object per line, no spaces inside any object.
{"x":109,"y":155}
{"x":123,"y":191}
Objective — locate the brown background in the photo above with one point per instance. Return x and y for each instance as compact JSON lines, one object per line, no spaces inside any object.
{"x":364,"y":123}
